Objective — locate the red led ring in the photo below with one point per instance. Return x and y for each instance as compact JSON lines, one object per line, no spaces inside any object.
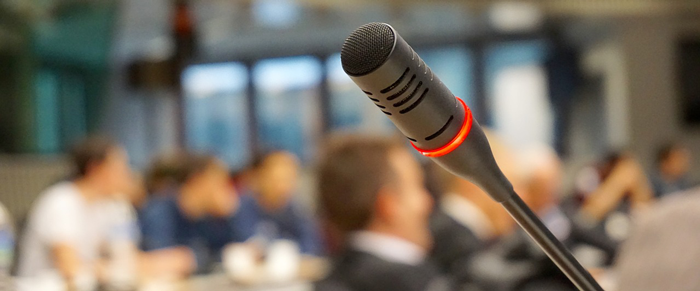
{"x":456,"y":141}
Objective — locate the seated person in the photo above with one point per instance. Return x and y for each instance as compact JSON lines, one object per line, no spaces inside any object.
{"x":467,"y":220}
{"x":544,"y":176}
{"x":608,"y":195}
{"x":527,"y":266}
{"x":372,"y":190}
{"x":71,"y":221}
{"x":269,"y":213}
{"x":163,"y":172}
{"x":662,"y":252}
{"x":160,"y":178}
{"x":192,"y":225}
{"x":671,"y":172}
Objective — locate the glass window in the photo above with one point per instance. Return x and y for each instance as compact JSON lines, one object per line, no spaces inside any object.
{"x":276,"y":13}
{"x":453,"y":64}
{"x":216,"y":111}
{"x":74,"y":108}
{"x":517,"y":91}
{"x":349,"y":107}
{"x":61,"y":109}
{"x":287,"y":104}
{"x":509,"y":54}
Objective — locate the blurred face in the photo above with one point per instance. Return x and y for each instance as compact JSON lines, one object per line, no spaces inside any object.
{"x":409,"y":207}
{"x":500,"y":220}
{"x":544,"y":187}
{"x":213,"y":184}
{"x":678,"y":163}
{"x":114,"y":174}
{"x":136,"y":193}
{"x":277,"y":179}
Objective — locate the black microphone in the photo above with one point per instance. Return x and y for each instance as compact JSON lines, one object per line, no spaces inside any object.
{"x":441,"y":126}
{"x":397,"y":80}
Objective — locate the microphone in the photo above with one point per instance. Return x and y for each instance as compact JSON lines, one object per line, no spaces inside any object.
{"x":397,"y":80}
{"x":441,"y":126}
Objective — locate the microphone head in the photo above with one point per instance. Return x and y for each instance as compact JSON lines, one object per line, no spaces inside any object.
{"x":367,"y":48}
{"x":401,"y":85}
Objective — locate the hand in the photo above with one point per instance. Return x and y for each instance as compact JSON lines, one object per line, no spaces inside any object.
{"x":175,"y":262}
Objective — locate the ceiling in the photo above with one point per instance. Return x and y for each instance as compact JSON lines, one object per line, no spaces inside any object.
{"x":242,"y":28}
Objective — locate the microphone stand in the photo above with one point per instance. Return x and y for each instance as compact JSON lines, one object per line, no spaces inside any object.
{"x":554,"y":249}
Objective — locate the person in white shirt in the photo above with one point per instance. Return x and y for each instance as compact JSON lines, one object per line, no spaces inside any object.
{"x":73,"y":223}
{"x":7,"y":247}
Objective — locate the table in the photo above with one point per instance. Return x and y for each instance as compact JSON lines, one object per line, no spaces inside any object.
{"x":221,"y":282}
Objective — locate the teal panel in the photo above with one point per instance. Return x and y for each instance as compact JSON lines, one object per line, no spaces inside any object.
{"x":79,"y":35}
{"x":47,"y":118}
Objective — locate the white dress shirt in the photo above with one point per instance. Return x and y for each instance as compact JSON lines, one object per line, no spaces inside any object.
{"x":389,"y":248}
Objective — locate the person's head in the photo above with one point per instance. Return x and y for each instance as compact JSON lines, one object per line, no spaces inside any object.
{"x":375,"y":184}
{"x":543,"y":174}
{"x":506,"y":160}
{"x":103,"y":163}
{"x":164,"y":171}
{"x":673,"y":161}
{"x":137,"y":193}
{"x":204,"y":179}
{"x":276,"y":176}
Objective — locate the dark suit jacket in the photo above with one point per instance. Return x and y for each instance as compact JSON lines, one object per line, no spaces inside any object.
{"x":359,"y":271}
{"x":454,"y":247}
{"x":528,"y":266}
{"x":512,"y":263}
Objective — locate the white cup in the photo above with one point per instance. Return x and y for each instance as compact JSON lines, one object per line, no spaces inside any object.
{"x":283,"y":258}
{"x":239,"y":261}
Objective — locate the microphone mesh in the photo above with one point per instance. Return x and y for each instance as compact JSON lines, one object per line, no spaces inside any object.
{"x":367,"y":48}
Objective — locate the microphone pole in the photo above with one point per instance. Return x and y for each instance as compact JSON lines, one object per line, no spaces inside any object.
{"x":441,"y":126}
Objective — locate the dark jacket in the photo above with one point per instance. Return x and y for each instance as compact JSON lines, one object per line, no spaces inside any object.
{"x":454,"y":247}
{"x":359,"y":271}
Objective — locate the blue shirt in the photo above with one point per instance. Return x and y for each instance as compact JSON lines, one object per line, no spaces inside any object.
{"x":287,"y":223}
{"x":663,"y":187}
{"x":164,"y":225}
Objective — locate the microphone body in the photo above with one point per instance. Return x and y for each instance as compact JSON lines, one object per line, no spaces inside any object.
{"x":422,"y":107}
{"x":441,"y":126}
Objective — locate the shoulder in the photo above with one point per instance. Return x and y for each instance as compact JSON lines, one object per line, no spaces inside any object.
{"x":358,"y":266}
{"x":443,"y":225}
{"x":119,"y":205}
{"x":362,"y":271}
{"x":248,"y":206}
{"x":160,"y":207}
{"x":452,"y":241}
{"x":160,"y":215}
{"x":61,"y":191}
{"x":684,"y":204}
{"x":118,"y":209}
{"x":439,"y":220}
{"x":346,"y":271}
{"x":298,"y":210}
{"x":63,"y":195}
{"x":248,"y":199}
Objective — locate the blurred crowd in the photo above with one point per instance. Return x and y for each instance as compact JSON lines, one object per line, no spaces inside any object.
{"x":386,"y":220}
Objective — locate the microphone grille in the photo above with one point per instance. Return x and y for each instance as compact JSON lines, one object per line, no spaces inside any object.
{"x":367,"y":48}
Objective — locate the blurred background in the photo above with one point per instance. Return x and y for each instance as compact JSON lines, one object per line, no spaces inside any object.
{"x":237,"y":78}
